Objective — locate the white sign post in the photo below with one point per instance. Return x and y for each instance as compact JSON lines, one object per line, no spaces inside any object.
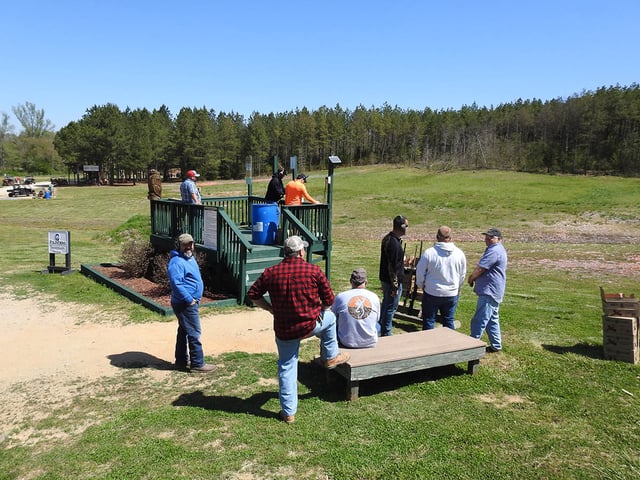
{"x":59,"y":242}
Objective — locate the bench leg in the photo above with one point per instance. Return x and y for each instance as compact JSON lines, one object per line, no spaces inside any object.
{"x":353,"y":386}
{"x":472,"y":367}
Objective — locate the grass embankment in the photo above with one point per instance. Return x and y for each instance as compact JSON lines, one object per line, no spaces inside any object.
{"x":548,"y":407}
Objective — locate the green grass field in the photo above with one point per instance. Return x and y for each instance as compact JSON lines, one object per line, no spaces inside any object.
{"x":548,"y":407}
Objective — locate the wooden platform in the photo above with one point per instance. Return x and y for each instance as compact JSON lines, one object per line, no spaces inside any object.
{"x":410,"y":352}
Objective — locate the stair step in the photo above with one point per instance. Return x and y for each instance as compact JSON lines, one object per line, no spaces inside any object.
{"x":255,"y":273}
{"x":266,"y":260}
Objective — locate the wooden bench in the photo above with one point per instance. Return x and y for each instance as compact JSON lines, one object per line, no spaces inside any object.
{"x":409,"y":352}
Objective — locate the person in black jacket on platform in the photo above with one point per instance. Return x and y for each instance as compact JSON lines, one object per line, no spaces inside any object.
{"x":275,"y":189}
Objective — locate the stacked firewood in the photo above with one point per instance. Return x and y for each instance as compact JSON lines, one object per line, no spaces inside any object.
{"x":620,"y":324}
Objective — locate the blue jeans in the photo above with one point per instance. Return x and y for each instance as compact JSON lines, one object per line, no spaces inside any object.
{"x":388,"y":308}
{"x":288,"y":359}
{"x":430,"y":307}
{"x":487,"y":317}
{"x":188,"y":335}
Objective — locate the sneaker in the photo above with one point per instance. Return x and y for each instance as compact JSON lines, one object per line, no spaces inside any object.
{"x":206,"y":368}
{"x":491,"y":349}
{"x":289,"y":419}
{"x":342,"y":357}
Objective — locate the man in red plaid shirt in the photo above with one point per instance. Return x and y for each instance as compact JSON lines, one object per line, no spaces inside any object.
{"x":301,"y":298}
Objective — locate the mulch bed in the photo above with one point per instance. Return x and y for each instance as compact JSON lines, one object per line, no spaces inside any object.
{"x":146,"y":288}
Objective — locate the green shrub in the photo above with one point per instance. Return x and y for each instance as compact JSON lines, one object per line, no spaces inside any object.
{"x":157,"y":271}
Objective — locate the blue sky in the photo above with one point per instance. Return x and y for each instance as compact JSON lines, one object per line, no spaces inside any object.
{"x":275,"y":56}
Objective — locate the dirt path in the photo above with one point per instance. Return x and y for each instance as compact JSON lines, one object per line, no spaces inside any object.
{"x":48,"y":346}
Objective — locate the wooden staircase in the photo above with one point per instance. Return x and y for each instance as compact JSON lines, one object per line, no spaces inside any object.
{"x":221,"y":228}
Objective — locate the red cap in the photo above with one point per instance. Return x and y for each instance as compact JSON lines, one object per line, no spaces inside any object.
{"x":192,"y":173}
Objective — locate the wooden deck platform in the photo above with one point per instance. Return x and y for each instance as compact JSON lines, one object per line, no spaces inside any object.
{"x":410,"y":352}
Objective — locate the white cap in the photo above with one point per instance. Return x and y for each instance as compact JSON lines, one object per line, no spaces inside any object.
{"x":294,"y":244}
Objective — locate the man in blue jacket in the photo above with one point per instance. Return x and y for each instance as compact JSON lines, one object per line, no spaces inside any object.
{"x":187,"y":288}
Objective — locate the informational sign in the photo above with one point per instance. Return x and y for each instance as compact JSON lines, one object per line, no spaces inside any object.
{"x":211,"y":228}
{"x":248,"y":170}
{"x":59,"y":241}
{"x":90,"y":168}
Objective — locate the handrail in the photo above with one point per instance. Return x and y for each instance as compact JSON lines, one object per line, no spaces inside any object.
{"x":318,"y":241}
{"x":234,"y":228}
{"x":298,"y":227}
{"x":315,"y":217}
{"x":171,"y":218}
{"x":232,"y":251}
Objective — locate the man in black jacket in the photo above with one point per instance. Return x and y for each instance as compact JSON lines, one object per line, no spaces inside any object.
{"x":391,"y":273}
{"x":275,"y":189}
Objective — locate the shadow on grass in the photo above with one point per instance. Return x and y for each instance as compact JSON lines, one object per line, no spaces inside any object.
{"x":407,"y":327}
{"x":225,"y":403}
{"x":332,"y":387}
{"x":325,"y":385}
{"x":139,"y":360}
{"x":585,"y":349}
{"x":310,"y":376}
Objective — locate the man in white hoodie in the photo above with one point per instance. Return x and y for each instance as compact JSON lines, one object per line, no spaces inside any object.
{"x":440,"y":274}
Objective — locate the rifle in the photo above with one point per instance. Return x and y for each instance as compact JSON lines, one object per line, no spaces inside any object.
{"x":410,"y":267}
{"x":414,"y":290}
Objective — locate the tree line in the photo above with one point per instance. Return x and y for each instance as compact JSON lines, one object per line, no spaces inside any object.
{"x":594,"y":132}
{"x":32,"y":151}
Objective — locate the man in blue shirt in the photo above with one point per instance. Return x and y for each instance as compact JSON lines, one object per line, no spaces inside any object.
{"x":489,"y":280}
{"x":188,"y":189}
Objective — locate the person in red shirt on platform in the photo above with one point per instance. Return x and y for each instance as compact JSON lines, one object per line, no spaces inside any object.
{"x":296,"y":190}
{"x":301,"y":300}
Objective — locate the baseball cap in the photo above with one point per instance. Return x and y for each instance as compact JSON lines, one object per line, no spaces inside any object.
{"x":302,"y":176}
{"x":493,"y":232}
{"x":358,"y":276}
{"x":294,"y":244}
{"x":192,"y":173}
{"x":400,"y":222}
{"x":184,"y":239}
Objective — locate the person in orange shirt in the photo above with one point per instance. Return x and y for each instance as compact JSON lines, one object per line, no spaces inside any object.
{"x":295,"y":191}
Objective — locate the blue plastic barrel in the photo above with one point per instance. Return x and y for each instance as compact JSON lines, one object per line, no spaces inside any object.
{"x":264,"y":223}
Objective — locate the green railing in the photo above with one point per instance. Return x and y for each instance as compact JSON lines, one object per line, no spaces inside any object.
{"x":310,"y":222}
{"x":314,"y":217}
{"x":170,"y":218}
{"x":232,"y":251}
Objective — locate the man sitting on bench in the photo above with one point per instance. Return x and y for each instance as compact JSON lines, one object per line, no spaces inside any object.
{"x":357,"y":312}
